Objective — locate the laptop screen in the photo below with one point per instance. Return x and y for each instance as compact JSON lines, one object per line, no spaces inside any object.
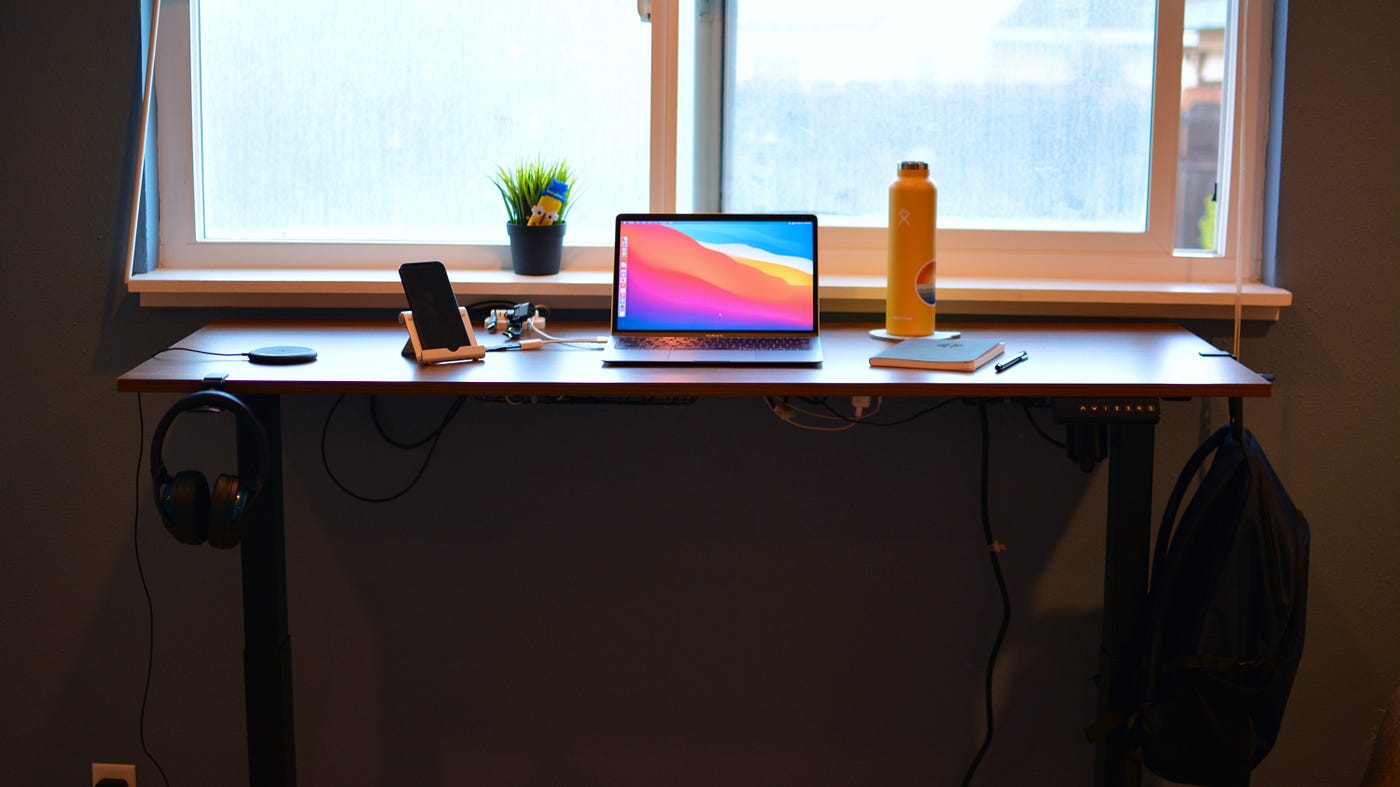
{"x":719,"y":273}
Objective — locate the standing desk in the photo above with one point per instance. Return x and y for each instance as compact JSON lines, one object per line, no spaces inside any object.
{"x":1106,"y":377}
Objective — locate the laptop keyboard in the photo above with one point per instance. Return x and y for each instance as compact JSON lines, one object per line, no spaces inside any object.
{"x":713,"y":343}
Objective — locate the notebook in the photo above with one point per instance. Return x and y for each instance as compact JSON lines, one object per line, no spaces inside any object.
{"x":714,"y":288}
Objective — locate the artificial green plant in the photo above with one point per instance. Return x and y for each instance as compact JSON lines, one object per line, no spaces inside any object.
{"x":522,"y":183}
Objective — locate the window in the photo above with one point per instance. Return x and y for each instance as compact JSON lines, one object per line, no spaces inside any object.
{"x":382,"y":124}
{"x":1068,"y":138}
{"x":1031,"y":115}
{"x":1203,"y":69}
{"x":314,"y":127}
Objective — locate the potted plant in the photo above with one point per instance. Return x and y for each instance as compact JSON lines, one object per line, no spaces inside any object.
{"x":536,"y":195}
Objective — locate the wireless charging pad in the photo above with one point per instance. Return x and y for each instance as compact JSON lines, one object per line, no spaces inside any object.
{"x":886,"y":336}
{"x":282,"y":356}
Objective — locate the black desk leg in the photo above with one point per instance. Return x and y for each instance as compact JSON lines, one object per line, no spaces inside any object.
{"x":267,"y":650}
{"x":1125,"y":583}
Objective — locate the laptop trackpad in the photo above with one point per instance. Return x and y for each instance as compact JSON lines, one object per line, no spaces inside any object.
{"x":713,"y":356}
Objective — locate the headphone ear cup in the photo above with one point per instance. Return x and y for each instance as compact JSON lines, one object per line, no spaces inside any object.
{"x":226,"y":512}
{"x":185,"y":507}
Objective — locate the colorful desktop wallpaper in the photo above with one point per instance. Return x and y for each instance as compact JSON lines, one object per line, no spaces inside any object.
{"x":730,"y":276}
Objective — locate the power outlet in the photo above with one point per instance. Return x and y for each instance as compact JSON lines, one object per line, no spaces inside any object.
{"x":107,"y":770}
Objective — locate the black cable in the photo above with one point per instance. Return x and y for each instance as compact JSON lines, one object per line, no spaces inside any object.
{"x":145,"y":588}
{"x":201,"y":352}
{"x":409,"y":444}
{"x":434,"y":436}
{"x":826,"y":404}
{"x":919,"y":414}
{"x":1038,"y":428}
{"x":488,"y":305}
{"x":993,"y":550}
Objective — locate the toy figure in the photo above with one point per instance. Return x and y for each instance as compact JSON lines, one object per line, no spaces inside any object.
{"x":546,"y":211}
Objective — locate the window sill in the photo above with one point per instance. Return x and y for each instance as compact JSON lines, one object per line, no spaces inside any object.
{"x":592,"y":289}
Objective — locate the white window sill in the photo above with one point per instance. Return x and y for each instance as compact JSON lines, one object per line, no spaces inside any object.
{"x":592,"y":289}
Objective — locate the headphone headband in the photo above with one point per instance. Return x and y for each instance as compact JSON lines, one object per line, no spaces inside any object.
{"x":217,"y":400}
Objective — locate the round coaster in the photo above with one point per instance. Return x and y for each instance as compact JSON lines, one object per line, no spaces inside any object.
{"x":282,"y":356}
{"x":885,"y":336}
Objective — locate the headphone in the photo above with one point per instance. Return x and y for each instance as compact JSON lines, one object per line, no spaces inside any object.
{"x":189,"y":510}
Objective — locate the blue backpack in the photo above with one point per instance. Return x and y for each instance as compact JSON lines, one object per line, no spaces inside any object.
{"x":1221,"y":635}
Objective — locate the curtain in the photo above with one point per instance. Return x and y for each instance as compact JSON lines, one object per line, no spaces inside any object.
{"x":142,"y":164}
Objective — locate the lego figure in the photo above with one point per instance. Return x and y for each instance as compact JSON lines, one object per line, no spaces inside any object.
{"x":546,"y":211}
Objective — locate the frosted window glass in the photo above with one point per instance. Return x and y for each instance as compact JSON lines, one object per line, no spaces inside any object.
{"x":1032,"y":114}
{"x":382,"y":121}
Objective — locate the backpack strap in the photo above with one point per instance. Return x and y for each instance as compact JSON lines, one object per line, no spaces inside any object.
{"x":1164,"y":533}
{"x":1128,"y":717}
{"x":1161,"y":579}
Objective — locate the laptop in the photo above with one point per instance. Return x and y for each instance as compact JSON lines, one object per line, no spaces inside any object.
{"x":714,"y":288}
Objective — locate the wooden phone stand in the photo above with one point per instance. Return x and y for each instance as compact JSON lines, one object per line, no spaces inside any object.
{"x":414,"y":348}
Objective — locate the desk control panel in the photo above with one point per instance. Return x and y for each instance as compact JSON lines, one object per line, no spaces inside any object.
{"x":1141,"y":410}
{"x":1087,"y":420}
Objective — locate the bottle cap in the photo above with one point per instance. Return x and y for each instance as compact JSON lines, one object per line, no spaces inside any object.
{"x":913,"y":165}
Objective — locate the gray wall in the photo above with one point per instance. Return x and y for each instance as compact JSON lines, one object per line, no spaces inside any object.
{"x":532,"y":627}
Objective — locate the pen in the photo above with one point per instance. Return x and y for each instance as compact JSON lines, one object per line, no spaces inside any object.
{"x":1001,"y":367}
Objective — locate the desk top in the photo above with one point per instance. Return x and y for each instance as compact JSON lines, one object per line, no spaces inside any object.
{"x":1066,"y":360}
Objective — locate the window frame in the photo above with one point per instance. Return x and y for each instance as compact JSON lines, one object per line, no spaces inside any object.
{"x":1125,"y":274}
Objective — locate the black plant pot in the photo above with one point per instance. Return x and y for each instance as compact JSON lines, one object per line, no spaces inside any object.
{"x":536,"y":251}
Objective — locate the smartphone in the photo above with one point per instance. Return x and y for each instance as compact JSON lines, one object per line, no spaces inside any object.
{"x":434,"y":305}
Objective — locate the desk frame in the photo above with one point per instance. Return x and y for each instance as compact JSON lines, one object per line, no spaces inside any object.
{"x":1097,"y":360}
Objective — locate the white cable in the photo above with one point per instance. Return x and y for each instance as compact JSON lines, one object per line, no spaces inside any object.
{"x":788,"y":414}
{"x":1241,"y":63}
{"x":869,"y":410}
{"x":546,"y":338}
{"x":859,"y":413}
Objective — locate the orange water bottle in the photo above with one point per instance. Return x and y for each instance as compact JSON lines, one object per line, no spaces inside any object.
{"x":911,"y":264}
